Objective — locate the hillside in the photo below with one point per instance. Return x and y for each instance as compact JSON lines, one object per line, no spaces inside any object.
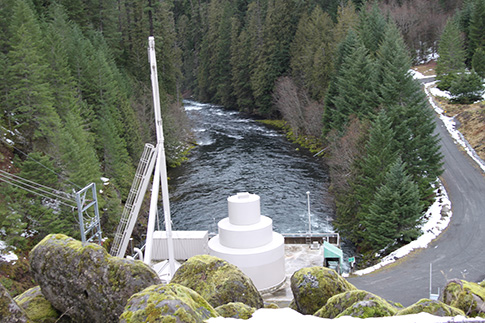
{"x":470,"y":118}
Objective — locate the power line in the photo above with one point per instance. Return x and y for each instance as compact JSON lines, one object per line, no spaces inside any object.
{"x":37,"y":189}
{"x":30,"y":157}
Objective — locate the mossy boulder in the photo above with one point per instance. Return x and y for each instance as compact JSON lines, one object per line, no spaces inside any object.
{"x":236,"y":310}
{"x":433,"y":307}
{"x":167,"y":303}
{"x":466,"y":296}
{"x":369,"y":308}
{"x":10,"y":311}
{"x":340,"y":302}
{"x":313,"y":286}
{"x":38,"y":308}
{"x":84,"y":281}
{"x":218,"y":281}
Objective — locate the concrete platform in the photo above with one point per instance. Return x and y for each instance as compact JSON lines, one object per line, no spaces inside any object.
{"x":297,"y":256}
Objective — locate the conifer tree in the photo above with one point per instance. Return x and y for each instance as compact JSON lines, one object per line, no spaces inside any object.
{"x":372,"y":27}
{"x":395,"y":83}
{"x":476,"y":29}
{"x":241,"y":52}
{"x":29,"y":103}
{"x":395,"y":212}
{"x":356,"y":88}
{"x":478,"y":61}
{"x":466,"y":88}
{"x":451,"y":55}
{"x":312,"y":53}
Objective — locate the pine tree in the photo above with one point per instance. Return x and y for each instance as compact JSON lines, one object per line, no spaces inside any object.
{"x":478,"y":61}
{"x":344,"y":49}
{"x":466,"y":88}
{"x":355,"y":88}
{"x":476,"y":29}
{"x":347,"y":19}
{"x":451,"y":55}
{"x":312,"y":53}
{"x":414,"y":126}
{"x":395,"y":212}
{"x":395,"y":83}
{"x":29,"y":103}
{"x":372,"y":27}
{"x":241,"y":51}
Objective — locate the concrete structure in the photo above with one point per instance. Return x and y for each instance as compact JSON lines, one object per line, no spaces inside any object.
{"x":246,"y":239}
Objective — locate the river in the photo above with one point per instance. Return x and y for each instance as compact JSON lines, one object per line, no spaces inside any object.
{"x":237,"y":154}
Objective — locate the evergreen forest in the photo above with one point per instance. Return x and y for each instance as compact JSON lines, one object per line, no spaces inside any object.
{"x":76,"y":101}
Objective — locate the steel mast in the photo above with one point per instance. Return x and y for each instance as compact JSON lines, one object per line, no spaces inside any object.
{"x":160,"y":175}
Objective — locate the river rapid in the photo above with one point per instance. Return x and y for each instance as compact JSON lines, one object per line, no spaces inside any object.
{"x":237,"y":154}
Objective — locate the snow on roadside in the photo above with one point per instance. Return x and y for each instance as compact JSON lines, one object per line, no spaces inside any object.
{"x":450,"y":124}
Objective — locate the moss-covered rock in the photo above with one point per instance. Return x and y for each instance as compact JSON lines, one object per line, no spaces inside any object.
{"x":85,"y":281}
{"x":271,"y":305}
{"x":10,"y":311}
{"x":340,"y":302}
{"x":313,"y":286}
{"x":466,"y":296}
{"x":38,"y":308}
{"x":167,"y":303}
{"x":369,"y":308}
{"x":218,"y":281}
{"x":433,"y":307}
{"x":236,"y":310}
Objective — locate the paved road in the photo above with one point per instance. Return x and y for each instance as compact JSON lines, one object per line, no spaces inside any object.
{"x":459,"y":252}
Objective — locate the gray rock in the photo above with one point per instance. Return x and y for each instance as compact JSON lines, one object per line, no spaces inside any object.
{"x":38,"y":308}
{"x":85,"y":281}
{"x":217,"y":281}
{"x":313,"y":286}
{"x":236,"y":310}
{"x":340,"y":302}
{"x":466,"y":296}
{"x":10,"y":311}
{"x":369,"y":308}
{"x":167,"y":303}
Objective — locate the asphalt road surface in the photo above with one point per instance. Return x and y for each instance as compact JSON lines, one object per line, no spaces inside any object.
{"x":459,"y":252}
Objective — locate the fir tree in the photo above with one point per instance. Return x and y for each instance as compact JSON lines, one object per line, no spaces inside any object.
{"x":466,"y":88}
{"x":451,"y":55}
{"x":476,"y":29}
{"x":372,"y":27}
{"x":312,"y":53}
{"x":395,"y":212}
{"x":395,"y":83}
{"x":355,"y":88}
{"x":478,"y":61}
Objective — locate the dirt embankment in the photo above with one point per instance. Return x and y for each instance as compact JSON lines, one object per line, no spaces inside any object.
{"x":470,"y":117}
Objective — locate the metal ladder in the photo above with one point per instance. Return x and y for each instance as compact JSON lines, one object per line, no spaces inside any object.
{"x":134,"y":201}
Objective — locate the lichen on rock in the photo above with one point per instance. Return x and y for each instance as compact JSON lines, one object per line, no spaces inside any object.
{"x":218,"y":281}
{"x":236,"y":310}
{"x":84,"y":280}
{"x":37,"y":307}
{"x":433,"y":307}
{"x":313,"y":286}
{"x":167,"y":303}
{"x":467,"y":296}
{"x":340,"y":302}
{"x":10,"y":311}
{"x":369,"y":308}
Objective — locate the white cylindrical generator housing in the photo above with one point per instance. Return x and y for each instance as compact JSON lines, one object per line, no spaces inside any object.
{"x":246,"y":240}
{"x":243,"y":209}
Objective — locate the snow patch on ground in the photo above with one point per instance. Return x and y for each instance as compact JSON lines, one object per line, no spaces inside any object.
{"x":8,"y":256}
{"x":287,"y":315}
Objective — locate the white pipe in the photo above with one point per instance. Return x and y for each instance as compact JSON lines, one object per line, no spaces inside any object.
{"x":152,"y":217}
{"x":309,"y":215}
{"x":161,"y":162}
